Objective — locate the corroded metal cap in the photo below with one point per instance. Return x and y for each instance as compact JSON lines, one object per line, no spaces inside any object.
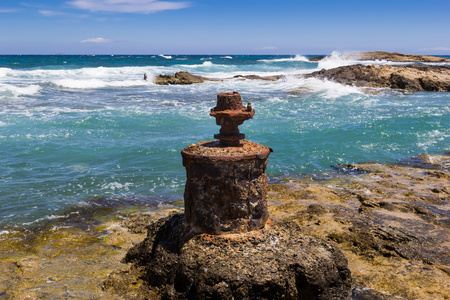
{"x":230,"y":113}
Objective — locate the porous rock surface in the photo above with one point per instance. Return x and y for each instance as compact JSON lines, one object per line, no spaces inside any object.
{"x":277,"y":262}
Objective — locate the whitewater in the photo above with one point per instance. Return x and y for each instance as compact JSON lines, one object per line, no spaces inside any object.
{"x":74,"y":128}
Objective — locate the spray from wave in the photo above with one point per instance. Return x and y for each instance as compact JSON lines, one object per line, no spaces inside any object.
{"x":289,"y":59}
{"x":7,"y":90}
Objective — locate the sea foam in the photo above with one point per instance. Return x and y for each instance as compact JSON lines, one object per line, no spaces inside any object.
{"x":97,"y":83}
{"x":290,"y":59}
{"x":8,"y":90}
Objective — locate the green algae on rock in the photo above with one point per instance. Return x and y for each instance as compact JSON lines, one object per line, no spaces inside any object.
{"x":72,"y":258}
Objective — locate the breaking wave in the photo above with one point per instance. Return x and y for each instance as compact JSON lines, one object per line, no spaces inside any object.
{"x":290,"y":59}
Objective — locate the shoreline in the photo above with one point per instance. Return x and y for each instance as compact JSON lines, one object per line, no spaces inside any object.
{"x":415,"y":73}
{"x":369,"y":210}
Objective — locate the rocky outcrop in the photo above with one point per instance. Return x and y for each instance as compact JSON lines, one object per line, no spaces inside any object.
{"x":391,"y":222}
{"x":183,"y":77}
{"x":257,"y":77}
{"x":389,"y":56}
{"x":409,"y":77}
{"x":278,"y":262}
{"x":179,"y":78}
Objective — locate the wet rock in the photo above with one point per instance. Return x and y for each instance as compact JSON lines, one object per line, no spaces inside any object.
{"x":29,"y":264}
{"x":301,"y":90}
{"x":277,"y":262}
{"x":257,"y":77}
{"x":8,"y":278}
{"x":391,"y":222}
{"x":179,"y":78}
{"x":408,"y":77}
{"x":183,"y":77}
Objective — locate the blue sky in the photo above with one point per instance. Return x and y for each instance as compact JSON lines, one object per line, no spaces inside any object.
{"x":223,"y":27}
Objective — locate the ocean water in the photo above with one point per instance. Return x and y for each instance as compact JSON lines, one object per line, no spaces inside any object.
{"x":77,"y":127}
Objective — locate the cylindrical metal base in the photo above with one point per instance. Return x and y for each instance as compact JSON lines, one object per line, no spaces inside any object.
{"x":226,"y":188}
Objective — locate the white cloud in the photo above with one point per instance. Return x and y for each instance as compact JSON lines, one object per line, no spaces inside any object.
{"x":96,"y":40}
{"x":8,"y":10}
{"x":128,"y":6}
{"x":50,"y":13}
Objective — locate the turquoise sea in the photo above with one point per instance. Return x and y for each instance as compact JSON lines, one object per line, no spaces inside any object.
{"x":77,"y":128}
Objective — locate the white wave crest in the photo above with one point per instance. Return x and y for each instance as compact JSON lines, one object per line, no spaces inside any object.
{"x":17,"y":91}
{"x":96,"y":83}
{"x":229,"y":57}
{"x":290,"y":59}
{"x":324,"y":88}
{"x":336,"y":60}
{"x":4,"y":72}
{"x":165,"y":56}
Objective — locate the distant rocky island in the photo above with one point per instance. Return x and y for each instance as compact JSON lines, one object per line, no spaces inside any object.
{"x":416,"y":76}
{"x":411,"y":77}
{"x":389,"y":56}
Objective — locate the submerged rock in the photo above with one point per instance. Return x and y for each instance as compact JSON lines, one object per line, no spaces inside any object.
{"x":257,"y":77}
{"x":409,"y":77}
{"x":277,"y":262}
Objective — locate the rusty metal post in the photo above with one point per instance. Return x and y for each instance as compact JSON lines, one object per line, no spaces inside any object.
{"x":226,"y":186}
{"x":229,"y":114}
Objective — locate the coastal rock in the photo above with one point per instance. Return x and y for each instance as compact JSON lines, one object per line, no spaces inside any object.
{"x":277,"y":262}
{"x":408,"y":77}
{"x":179,"y":78}
{"x":301,"y":90}
{"x":183,"y":77}
{"x":390,"y":56}
{"x":257,"y":77}
{"x":391,"y":222}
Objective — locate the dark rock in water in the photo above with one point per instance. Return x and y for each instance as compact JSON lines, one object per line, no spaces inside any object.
{"x":179,"y":78}
{"x":349,"y":169}
{"x":257,"y":77}
{"x":408,"y":77}
{"x":277,"y":262}
{"x":184,"y":77}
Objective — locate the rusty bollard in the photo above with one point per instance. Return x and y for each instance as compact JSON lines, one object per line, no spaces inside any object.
{"x":226,"y":186}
